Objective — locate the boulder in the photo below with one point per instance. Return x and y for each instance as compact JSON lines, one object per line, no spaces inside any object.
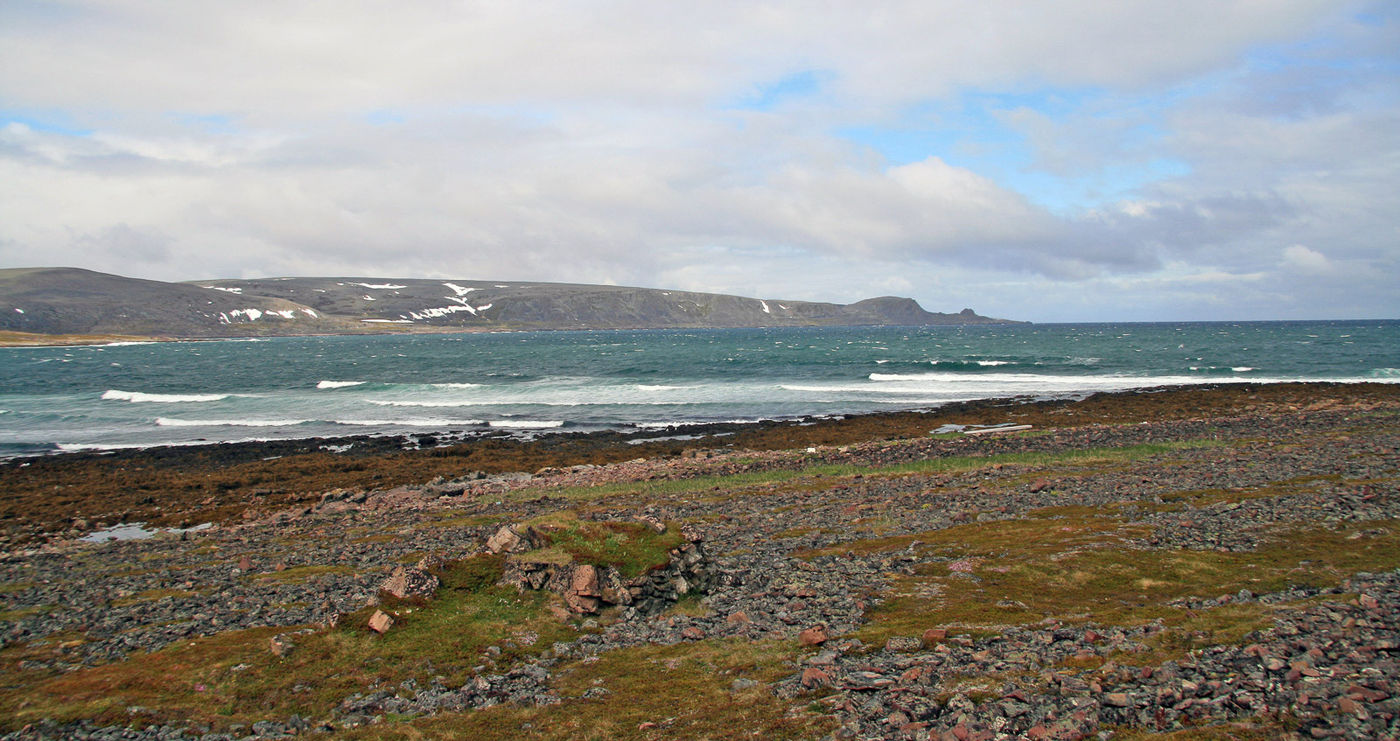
{"x":582,"y":595}
{"x":814,"y":636}
{"x":510,"y":540}
{"x":410,"y":582}
{"x":381,"y":622}
{"x":813,"y":678}
{"x":585,"y":581}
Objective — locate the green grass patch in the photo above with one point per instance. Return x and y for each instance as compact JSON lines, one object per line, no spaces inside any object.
{"x":632,"y":547}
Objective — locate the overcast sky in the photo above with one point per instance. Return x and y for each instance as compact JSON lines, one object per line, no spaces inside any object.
{"x":1052,"y":161}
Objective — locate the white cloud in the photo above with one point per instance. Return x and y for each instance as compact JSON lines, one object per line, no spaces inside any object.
{"x":561,"y":141}
{"x":1300,"y":257}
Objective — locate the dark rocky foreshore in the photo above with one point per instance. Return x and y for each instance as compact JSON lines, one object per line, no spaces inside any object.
{"x":1234,"y":570}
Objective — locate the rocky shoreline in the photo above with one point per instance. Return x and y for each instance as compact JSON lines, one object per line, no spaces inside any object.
{"x":1150,"y":564}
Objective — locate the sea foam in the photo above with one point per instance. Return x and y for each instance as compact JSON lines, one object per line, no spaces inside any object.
{"x":338,"y":384}
{"x":525,"y":424}
{"x":138,"y":396}
{"x":169,"y":422}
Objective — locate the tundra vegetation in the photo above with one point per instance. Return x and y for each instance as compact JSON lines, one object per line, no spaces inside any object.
{"x":1144,"y":569}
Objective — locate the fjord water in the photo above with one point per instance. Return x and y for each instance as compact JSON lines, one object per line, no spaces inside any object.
{"x":72,"y":398}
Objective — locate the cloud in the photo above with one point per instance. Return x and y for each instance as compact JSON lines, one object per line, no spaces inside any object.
{"x":268,"y":59}
{"x":1300,"y":257}
{"x":1075,"y":149}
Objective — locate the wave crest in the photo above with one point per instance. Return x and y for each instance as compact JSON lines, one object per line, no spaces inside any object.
{"x":338,"y":384}
{"x":139,"y":396}
{"x":169,"y":422}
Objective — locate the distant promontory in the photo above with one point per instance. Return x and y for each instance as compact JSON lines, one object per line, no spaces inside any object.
{"x":72,"y":301}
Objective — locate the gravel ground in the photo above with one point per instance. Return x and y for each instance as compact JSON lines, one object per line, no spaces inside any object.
{"x":1328,"y":661}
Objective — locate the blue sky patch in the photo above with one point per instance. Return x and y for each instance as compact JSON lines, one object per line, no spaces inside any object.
{"x":767,"y":96}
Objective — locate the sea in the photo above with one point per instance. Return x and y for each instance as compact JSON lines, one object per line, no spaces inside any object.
{"x":123,"y":395}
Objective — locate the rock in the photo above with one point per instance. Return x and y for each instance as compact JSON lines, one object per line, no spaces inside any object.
{"x":582,"y":595}
{"x":812,"y":678}
{"x":934,"y":635}
{"x":814,"y":636}
{"x":414,"y":582}
{"x":509,"y":540}
{"x":381,"y":622}
{"x":585,"y":581}
{"x":903,"y":644}
{"x":1117,"y":700}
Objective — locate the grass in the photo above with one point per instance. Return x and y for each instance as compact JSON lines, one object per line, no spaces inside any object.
{"x":633,"y":547}
{"x":20,"y":613}
{"x":232,"y":677}
{"x":151,"y":595}
{"x":1073,"y":567}
{"x":1076,"y":564}
{"x":721,"y":487}
{"x":653,"y":692}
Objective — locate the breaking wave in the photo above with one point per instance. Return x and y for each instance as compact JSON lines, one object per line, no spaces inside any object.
{"x":139,"y":396}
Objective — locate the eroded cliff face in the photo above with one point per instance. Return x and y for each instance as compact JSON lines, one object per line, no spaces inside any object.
{"x":74,"y":301}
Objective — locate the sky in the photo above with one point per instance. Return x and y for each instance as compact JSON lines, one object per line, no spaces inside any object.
{"x":1046,"y":161}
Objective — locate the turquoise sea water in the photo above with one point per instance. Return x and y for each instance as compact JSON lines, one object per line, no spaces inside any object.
{"x":533,"y":383}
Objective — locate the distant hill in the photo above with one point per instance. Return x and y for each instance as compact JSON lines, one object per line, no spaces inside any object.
{"x":73,"y":301}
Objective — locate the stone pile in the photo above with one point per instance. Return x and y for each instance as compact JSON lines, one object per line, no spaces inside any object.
{"x":588,"y":589}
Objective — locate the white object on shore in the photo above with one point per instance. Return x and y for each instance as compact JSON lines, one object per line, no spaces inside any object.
{"x":995,"y":430}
